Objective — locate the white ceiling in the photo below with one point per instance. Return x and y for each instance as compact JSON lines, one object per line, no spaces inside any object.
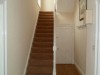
{"x":66,"y":5}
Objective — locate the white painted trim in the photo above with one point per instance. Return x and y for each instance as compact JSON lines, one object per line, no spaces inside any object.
{"x":54,"y":48}
{"x":32,"y":39}
{"x":96,"y":39}
{"x":97,"y":42}
{"x":5,"y":36}
{"x":79,"y":69}
{"x":39,"y":3}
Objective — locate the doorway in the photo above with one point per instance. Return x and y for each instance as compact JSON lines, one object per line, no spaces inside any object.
{"x":70,"y":38}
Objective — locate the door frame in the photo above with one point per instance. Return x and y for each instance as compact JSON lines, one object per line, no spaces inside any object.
{"x":97,"y":39}
{"x":4,"y":35}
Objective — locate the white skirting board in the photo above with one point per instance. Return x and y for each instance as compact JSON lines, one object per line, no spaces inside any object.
{"x":79,"y":69}
{"x":30,"y":46}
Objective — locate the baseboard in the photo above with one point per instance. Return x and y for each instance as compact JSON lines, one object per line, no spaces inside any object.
{"x":30,"y":46}
{"x":79,"y":69}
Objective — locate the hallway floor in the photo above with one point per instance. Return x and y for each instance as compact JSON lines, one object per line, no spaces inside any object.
{"x":64,"y":69}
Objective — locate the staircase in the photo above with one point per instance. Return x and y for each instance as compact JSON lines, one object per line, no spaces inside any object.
{"x":41,"y":57}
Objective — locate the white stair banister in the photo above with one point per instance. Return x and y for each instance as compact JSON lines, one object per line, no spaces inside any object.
{"x":54,"y":44}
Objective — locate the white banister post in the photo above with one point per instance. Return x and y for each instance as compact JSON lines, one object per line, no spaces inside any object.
{"x":54,"y":61}
{"x":54,"y":46}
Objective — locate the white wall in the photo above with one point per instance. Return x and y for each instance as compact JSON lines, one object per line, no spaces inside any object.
{"x":64,"y":18}
{"x":85,"y":39}
{"x":47,"y":5}
{"x":80,"y":43}
{"x":64,"y":26}
{"x":90,"y":61}
{"x":66,"y":5}
{"x":22,"y":17}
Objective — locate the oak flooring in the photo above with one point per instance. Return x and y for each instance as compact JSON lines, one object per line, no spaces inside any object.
{"x":64,"y":69}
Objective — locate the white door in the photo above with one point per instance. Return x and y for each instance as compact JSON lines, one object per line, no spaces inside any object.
{"x":2,"y":37}
{"x":65,"y":45}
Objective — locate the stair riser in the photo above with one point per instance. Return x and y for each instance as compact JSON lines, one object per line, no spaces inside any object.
{"x":46,"y":12}
{"x":45,"y":19}
{"x":40,"y":32}
{"x":42,"y":50}
{"x":40,"y":70}
{"x":44,"y":35}
{"x":44,"y":27}
{"x":41,"y":63}
{"x":44,"y":31}
{"x":43,"y":40}
{"x":45,"y":15}
{"x":46,"y":23}
{"x":42,"y":56}
{"x":43,"y":45}
{"x":38,"y":74}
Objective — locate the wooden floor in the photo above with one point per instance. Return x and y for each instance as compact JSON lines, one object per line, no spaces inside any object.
{"x":66,"y":70}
